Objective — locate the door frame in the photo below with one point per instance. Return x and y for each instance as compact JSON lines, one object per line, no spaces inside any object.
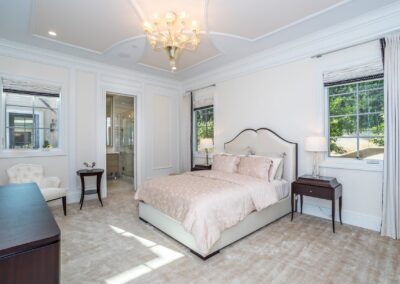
{"x":101,"y":133}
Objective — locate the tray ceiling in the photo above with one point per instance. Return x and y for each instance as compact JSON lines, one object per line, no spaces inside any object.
{"x":110,"y":31}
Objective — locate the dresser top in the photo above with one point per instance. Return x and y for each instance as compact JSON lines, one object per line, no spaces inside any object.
{"x":25,"y":219}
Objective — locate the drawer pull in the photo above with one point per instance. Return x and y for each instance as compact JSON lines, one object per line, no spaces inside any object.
{"x":310,"y":191}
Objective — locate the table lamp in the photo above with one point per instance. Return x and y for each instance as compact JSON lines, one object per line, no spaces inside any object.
{"x":205,"y":144}
{"x":316,"y":144}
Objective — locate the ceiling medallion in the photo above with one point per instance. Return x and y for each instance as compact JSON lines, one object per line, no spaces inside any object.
{"x":172,"y":33}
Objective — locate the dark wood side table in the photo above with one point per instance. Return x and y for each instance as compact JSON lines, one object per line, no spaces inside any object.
{"x":85,"y":173}
{"x":201,"y":167}
{"x":320,"y":187}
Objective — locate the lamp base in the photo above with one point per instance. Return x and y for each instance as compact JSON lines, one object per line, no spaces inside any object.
{"x":315,"y":170}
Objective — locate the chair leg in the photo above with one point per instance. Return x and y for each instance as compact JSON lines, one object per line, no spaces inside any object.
{"x":64,"y":202}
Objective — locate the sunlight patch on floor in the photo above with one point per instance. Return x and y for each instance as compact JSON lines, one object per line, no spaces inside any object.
{"x":143,"y":241}
{"x":164,"y":256}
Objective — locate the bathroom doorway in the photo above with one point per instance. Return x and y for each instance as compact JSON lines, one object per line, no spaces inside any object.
{"x":120,"y":142}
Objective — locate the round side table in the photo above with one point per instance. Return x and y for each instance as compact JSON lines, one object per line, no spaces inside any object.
{"x":85,"y":173}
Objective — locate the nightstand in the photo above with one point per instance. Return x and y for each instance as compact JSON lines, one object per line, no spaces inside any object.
{"x":319,"y":187}
{"x":201,"y":167}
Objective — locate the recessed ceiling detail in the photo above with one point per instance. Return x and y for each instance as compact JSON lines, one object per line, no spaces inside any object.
{"x":110,"y":31}
{"x":91,"y":24}
{"x":252,"y":19}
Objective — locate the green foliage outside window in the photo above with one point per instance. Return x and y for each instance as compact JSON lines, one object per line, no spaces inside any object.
{"x":356,"y":119}
{"x":204,"y":124}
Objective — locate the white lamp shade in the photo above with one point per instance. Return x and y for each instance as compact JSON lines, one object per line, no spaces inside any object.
{"x":316,"y":144}
{"x":206,"y":143}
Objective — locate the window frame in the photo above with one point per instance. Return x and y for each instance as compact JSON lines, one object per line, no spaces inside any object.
{"x":60,"y":150}
{"x":194,"y":132}
{"x":344,"y":162}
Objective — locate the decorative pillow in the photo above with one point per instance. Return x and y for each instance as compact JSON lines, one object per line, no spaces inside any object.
{"x":277,"y":164}
{"x":255,"y":166}
{"x":225,"y":163}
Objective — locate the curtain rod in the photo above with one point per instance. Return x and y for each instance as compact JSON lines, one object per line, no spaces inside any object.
{"x":343,"y":48}
{"x":213,"y":85}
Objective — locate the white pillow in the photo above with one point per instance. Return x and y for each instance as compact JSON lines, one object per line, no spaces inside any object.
{"x":276,"y":164}
{"x":279,"y":172}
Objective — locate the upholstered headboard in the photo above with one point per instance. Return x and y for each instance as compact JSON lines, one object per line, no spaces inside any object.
{"x":264,"y":141}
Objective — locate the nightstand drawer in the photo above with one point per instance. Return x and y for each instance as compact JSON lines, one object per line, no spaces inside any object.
{"x":313,"y":191}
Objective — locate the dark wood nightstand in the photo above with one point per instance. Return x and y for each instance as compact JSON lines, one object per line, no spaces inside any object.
{"x":201,"y":167}
{"x":320,"y":187}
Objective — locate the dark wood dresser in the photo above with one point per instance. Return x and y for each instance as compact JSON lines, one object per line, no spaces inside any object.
{"x":29,"y":237}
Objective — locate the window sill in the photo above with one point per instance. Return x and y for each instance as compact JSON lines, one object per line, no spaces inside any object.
{"x":5,"y":154}
{"x":351,"y":164}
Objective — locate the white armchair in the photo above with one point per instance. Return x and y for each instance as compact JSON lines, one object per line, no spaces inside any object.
{"x":49,"y":186}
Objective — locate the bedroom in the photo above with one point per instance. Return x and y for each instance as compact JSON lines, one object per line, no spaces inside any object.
{"x":273,"y":72}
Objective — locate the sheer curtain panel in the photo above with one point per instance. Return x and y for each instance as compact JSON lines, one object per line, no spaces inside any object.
{"x":186,"y":125}
{"x":391,"y":179}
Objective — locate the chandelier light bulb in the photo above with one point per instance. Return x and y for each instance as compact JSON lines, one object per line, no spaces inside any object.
{"x":170,"y":18}
{"x":156,"y":19}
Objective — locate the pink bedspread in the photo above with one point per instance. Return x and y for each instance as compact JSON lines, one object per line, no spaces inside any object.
{"x":207,"y":202}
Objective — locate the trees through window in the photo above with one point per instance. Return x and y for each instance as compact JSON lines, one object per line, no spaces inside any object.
{"x":356,"y":120}
{"x":203,"y":125}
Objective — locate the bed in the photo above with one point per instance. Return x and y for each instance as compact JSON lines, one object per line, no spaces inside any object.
{"x":267,"y":207}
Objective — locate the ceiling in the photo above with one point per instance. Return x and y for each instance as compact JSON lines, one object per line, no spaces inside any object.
{"x":109,"y":31}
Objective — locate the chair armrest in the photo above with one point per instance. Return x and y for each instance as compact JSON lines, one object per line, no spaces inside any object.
{"x":51,"y":182}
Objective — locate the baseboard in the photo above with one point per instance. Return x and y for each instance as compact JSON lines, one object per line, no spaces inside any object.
{"x":348,"y":217}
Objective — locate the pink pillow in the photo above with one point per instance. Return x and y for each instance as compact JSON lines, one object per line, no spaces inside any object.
{"x":258,"y":167}
{"x":225,"y":163}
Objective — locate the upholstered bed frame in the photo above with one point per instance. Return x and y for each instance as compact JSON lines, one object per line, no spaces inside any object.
{"x":262,"y":141}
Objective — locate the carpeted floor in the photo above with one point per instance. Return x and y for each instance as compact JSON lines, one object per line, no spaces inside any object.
{"x":110,"y":245}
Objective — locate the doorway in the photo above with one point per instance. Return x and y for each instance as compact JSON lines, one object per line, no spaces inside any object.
{"x":120,"y":143}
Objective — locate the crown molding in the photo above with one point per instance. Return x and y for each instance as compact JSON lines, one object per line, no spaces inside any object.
{"x":45,"y":56}
{"x":367,"y":27}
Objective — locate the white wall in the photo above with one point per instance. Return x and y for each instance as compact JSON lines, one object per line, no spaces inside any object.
{"x":84,"y":86}
{"x":289,"y":99}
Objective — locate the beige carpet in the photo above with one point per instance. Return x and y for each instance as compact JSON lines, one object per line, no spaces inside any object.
{"x":110,"y":245}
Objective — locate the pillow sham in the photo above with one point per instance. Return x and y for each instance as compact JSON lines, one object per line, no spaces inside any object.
{"x":277,"y":165}
{"x":225,"y":163}
{"x":255,"y":166}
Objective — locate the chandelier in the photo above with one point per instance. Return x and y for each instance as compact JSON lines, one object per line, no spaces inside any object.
{"x":172,"y":33}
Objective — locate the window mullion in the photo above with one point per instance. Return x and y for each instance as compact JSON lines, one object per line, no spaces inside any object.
{"x":358,"y":120}
{"x":33,"y":123}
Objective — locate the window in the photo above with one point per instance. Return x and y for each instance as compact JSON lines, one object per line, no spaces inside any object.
{"x":31,"y":119}
{"x":356,"y":120}
{"x":203,"y":125}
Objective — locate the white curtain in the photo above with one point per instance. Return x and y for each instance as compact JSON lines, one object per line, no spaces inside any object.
{"x":185,"y":139}
{"x":391,"y":175}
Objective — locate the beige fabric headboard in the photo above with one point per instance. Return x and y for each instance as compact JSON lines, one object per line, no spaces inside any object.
{"x":263,"y":141}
